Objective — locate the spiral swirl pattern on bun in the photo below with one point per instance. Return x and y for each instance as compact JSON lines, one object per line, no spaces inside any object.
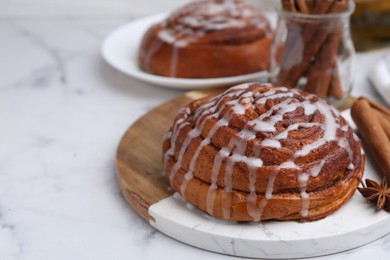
{"x":207,"y":39}
{"x":259,"y":152}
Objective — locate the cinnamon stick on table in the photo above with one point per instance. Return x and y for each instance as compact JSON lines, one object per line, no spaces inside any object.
{"x":370,"y":127}
{"x":381,"y":112}
{"x":377,"y":106}
{"x":385,"y":122}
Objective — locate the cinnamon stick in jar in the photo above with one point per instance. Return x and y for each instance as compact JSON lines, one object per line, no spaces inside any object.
{"x":373,"y":133}
{"x":302,"y":6}
{"x":319,"y":78}
{"x":289,"y":5}
{"x":295,"y":61}
{"x":313,"y":53}
{"x":335,"y":88}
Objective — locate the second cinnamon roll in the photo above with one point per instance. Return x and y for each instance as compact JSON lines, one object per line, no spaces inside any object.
{"x":208,"y":39}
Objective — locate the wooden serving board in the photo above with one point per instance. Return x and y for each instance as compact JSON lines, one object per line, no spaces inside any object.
{"x":139,"y":155}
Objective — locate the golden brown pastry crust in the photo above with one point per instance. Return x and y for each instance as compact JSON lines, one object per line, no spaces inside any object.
{"x":257,"y":152}
{"x":208,"y":39}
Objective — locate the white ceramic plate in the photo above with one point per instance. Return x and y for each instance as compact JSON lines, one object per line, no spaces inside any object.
{"x":355,"y":224}
{"x":120,"y":49}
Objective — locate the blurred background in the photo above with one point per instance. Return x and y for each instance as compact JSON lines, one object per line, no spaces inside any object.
{"x":90,"y":8}
{"x":84,"y":8}
{"x":370,"y":23}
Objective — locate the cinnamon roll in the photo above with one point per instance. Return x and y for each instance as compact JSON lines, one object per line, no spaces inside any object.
{"x":258,"y":152}
{"x":208,"y":39}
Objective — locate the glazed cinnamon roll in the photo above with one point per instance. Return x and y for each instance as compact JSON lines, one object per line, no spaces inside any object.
{"x":208,"y":39}
{"x":258,"y":152}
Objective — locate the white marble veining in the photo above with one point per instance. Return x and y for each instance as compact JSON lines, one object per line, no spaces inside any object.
{"x":62,"y":113}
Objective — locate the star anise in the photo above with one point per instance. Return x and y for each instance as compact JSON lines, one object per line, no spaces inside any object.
{"x":377,"y":193}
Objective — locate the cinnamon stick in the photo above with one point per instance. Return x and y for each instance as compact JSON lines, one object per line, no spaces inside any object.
{"x":319,"y":77}
{"x":311,"y":5}
{"x":335,"y":88}
{"x":318,"y":81}
{"x":294,"y":29}
{"x":384,"y":122}
{"x":377,"y":106}
{"x":373,"y":133}
{"x":322,"y":6}
{"x":299,"y":69}
{"x":302,"y":6}
{"x":382,"y":113}
{"x":289,"y":5}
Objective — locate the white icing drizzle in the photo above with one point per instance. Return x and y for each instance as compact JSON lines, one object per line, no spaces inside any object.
{"x":253,"y":211}
{"x":273,"y":96}
{"x":270,"y":185}
{"x":180,"y":123}
{"x":289,"y":165}
{"x":156,"y":45}
{"x":223,"y":153}
{"x":175,"y":56}
{"x":305,"y":202}
{"x":261,"y":124}
{"x":167,"y":36}
{"x":240,"y":99}
{"x":207,"y":109}
{"x":167,"y":136}
{"x":330,"y":128}
{"x":189,"y":174}
{"x":190,"y":136}
{"x":196,"y":19}
{"x":271,"y":143}
{"x":228,"y":188}
{"x":351,"y":166}
{"x":284,"y":134}
{"x":356,"y":137}
{"x":344,"y":128}
{"x":309,"y":108}
{"x":317,"y":169}
{"x":342,"y":142}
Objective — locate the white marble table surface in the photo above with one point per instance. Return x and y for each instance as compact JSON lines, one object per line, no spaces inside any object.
{"x":62,"y":113}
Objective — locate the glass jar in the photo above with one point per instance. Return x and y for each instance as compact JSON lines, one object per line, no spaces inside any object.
{"x":315,"y":53}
